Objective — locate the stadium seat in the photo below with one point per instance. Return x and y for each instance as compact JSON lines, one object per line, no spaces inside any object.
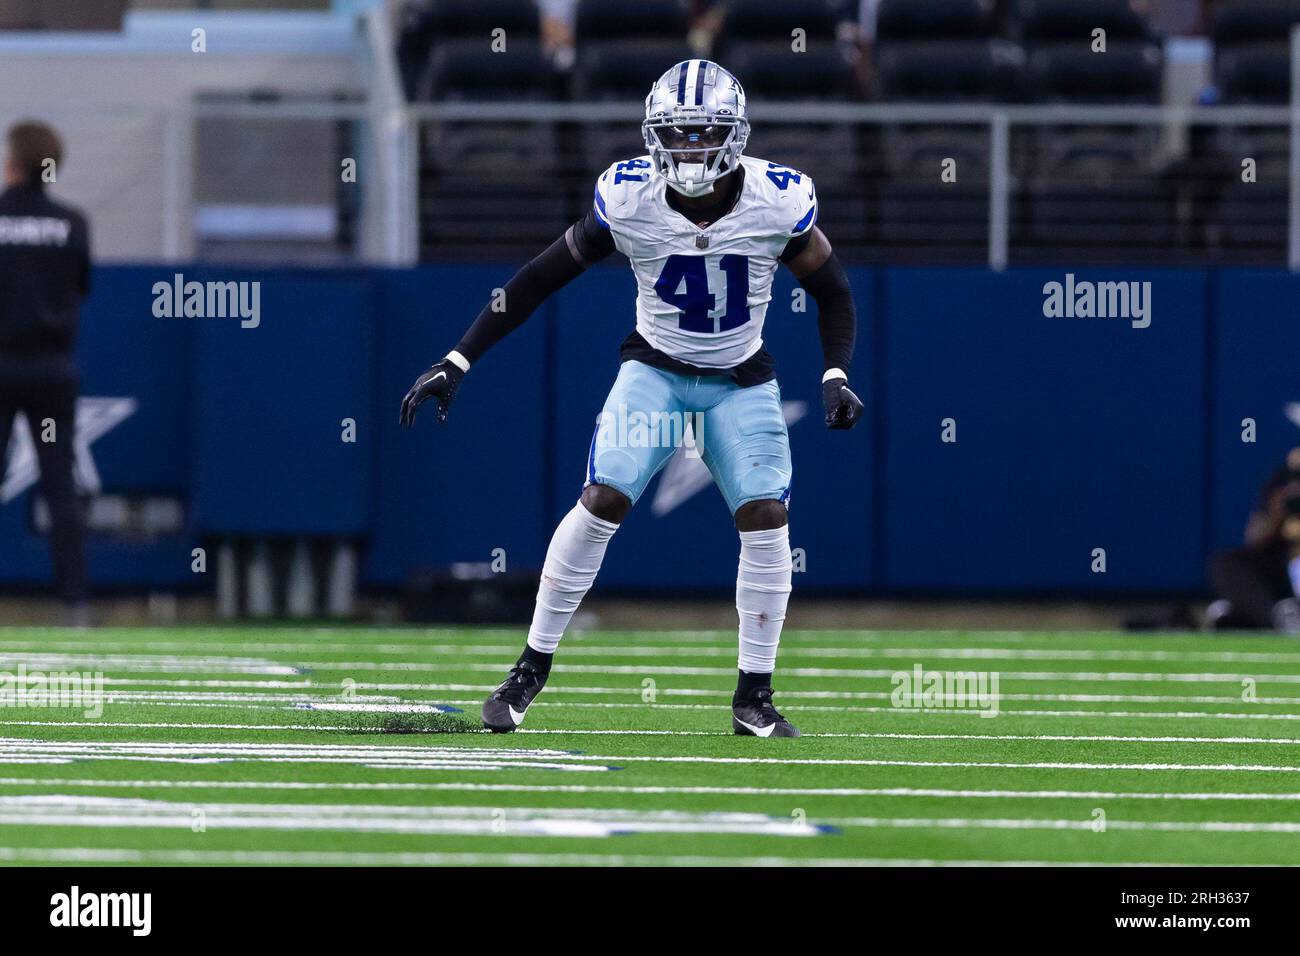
{"x":1128,"y":72}
{"x":1096,"y":190}
{"x":1246,"y":220}
{"x":1132,"y":220}
{"x":770,"y":70}
{"x":1072,"y":21}
{"x":602,"y":144}
{"x":600,"y":20}
{"x":457,"y":19}
{"x":823,"y":150}
{"x":765,"y":20}
{"x":948,"y":70}
{"x":426,"y":26}
{"x":486,"y":186}
{"x":624,"y":69}
{"x":1257,"y":72}
{"x":1091,"y":190}
{"x":1254,"y":21}
{"x":490,"y":148}
{"x":1249,"y":223}
{"x":469,"y":70}
{"x":946,"y":52}
{"x":465,"y":217}
{"x":909,"y":20}
{"x":916,"y":209}
{"x":491,"y":188}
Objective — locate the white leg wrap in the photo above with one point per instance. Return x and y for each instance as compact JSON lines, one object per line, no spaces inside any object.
{"x":762,"y":592}
{"x":576,"y":551}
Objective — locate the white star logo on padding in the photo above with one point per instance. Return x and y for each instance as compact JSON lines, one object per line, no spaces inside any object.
{"x":686,"y":475}
{"x":95,"y":418}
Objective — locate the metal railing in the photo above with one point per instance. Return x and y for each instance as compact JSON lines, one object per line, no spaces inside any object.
{"x":448,"y":179}
{"x":868,"y":161}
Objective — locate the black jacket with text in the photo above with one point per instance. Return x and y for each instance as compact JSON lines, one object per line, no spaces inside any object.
{"x":44,"y":273}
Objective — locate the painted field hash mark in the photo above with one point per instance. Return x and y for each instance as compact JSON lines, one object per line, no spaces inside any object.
{"x":18,"y":750}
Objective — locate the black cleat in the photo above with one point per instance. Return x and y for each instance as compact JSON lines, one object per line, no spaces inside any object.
{"x":505,"y":709}
{"x":754,"y":716}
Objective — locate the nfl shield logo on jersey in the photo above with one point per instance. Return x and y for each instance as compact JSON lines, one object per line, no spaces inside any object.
{"x":701,"y":241}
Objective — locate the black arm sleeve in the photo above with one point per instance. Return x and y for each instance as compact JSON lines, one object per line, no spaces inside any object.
{"x":837,"y":320}
{"x":583,"y":243}
{"x":795,"y":246}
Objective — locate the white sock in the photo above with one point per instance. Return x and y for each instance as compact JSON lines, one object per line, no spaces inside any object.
{"x":762,"y":592}
{"x":576,"y":551}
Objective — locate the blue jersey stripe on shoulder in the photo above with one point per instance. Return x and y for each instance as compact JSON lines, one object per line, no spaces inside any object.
{"x":809,"y":218}
{"x":600,"y":209}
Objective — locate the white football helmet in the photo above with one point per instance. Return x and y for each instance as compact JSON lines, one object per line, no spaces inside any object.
{"x":695,"y":125}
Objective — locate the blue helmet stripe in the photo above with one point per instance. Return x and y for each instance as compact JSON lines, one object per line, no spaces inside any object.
{"x":681,"y":82}
{"x":699,"y":83}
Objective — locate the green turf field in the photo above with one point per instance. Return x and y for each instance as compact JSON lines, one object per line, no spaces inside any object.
{"x":284,"y":746}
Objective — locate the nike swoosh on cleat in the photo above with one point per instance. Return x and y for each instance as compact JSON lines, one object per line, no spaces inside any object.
{"x":758,"y":731}
{"x":517,"y":715}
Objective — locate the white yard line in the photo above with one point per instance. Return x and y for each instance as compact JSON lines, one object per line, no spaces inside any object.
{"x":99,"y":812}
{"x":651,"y":668}
{"x":338,"y":858}
{"x":189,"y":682}
{"x":637,"y":690}
{"x":463,"y":757}
{"x":990,"y":764}
{"x":977,"y":823}
{"x":46,"y":661}
{"x":903,"y":711}
{"x":61,"y":810}
{"x":965,"y":712}
{"x":718,"y":694}
{"x":725,"y":648}
{"x":1102,"y":738}
{"x":415,"y":787}
{"x":392,"y":705}
{"x":19,"y":750}
{"x":175,"y":725}
{"x":1099,"y":738}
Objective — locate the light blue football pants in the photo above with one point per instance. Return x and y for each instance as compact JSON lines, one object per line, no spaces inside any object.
{"x":739,"y":433}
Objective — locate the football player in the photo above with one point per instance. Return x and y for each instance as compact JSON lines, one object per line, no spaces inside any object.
{"x":704,"y":227}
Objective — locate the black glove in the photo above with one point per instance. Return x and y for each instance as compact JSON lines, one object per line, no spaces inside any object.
{"x":843,"y":408}
{"x":439,"y":382}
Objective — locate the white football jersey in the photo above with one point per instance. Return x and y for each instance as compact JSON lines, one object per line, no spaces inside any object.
{"x":702,"y":294}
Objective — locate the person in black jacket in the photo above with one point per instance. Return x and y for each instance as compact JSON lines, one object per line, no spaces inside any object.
{"x":44,"y":275}
{"x":1257,"y":586}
